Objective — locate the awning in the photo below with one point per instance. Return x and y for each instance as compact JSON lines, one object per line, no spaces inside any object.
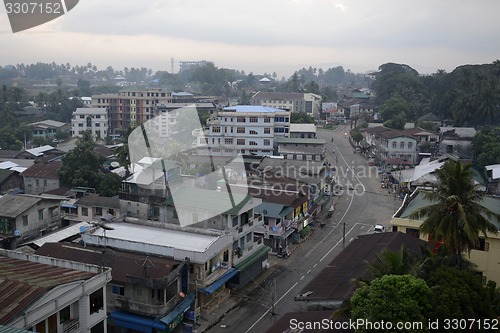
{"x":220,"y":282}
{"x":241,"y":266}
{"x":136,"y":322}
{"x":179,"y":309}
{"x":67,"y":205}
{"x":287,"y":233}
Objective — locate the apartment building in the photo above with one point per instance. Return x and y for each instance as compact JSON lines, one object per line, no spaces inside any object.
{"x":131,"y":106}
{"x":294,"y":102}
{"x":245,"y":129}
{"x":93,"y":120}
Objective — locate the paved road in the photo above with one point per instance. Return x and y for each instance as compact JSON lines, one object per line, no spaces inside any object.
{"x":356,"y":211}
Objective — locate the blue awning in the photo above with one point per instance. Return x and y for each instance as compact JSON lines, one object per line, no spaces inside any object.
{"x":136,"y":322}
{"x":67,"y":205}
{"x":182,"y":307}
{"x":220,"y":282}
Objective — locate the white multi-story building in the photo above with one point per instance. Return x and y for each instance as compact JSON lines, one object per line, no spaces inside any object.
{"x":94,"y":120}
{"x":245,"y":129}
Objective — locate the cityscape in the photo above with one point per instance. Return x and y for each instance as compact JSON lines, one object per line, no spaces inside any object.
{"x":274,"y":206}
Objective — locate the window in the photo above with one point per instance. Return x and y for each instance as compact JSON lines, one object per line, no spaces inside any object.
{"x":98,"y":328}
{"x":96,"y":301}
{"x":267,"y":130}
{"x":267,"y":142}
{"x":254,"y":119}
{"x":267,"y":119}
{"x":249,"y":237}
{"x":98,"y":211}
{"x":117,"y":290}
{"x":401,"y":145}
{"x":410,"y":145}
{"x":394,"y":145}
{"x":413,"y":232}
{"x":64,"y":314}
{"x":240,"y":119}
{"x":80,"y":124}
{"x":235,"y":221}
{"x":483,"y":245}
{"x":252,"y":143}
{"x":89,"y":122}
{"x":25,"y":220}
{"x":85,"y":211}
{"x":240,"y":130}
{"x":216,"y":129}
{"x":252,"y":132}
{"x":228,"y":141}
{"x":240,"y":142}
{"x":40,"y":214}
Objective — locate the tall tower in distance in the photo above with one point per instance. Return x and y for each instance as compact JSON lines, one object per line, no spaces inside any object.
{"x":171,"y":65}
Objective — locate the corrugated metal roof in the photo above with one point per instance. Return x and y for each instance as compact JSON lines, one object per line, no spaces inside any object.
{"x":22,"y":282}
{"x":122,"y":263}
{"x":44,"y":170}
{"x":14,"y":205}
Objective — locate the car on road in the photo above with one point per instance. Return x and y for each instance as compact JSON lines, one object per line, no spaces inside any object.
{"x":378,"y":228}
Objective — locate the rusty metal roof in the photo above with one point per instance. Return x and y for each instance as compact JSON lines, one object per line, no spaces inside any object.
{"x":122,"y":263}
{"x":23,"y":282}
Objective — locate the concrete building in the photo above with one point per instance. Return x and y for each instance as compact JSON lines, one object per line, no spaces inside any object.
{"x":303,"y":131}
{"x":90,"y":208}
{"x":294,"y":102}
{"x":131,"y":106}
{"x":209,"y":252}
{"x":146,"y":292}
{"x":485,"y":257}
{"x":25,"y":217}
{"x":94,"y":120}
{"x":47,"y":129}
{"x":301,"y":149}
{"x":244,"y":129}
{"x":50,"y":295}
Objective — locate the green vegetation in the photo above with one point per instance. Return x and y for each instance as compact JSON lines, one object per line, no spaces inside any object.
{"x":455,"y":215}
{"x":469,"y":96}
{"x":487,"y":146}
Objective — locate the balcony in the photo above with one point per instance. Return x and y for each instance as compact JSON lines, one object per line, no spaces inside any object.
{"x":146,"y":309}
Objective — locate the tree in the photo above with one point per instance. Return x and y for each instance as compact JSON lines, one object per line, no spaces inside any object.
{"x":458,"y":294}
{"x":392,"y":298}
{"x":301,"y":118}
{"x":81,"y":166}
{"x":110,"y":185}
{"x":454,"y":213}
{"x":356,"y":136}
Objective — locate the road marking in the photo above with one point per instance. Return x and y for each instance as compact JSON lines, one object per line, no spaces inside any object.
{"x":303,"y":276}
{"x":350,"y":240}
{"x":248,"y":330}
{"x":309,"y":271}
{"x":316,"y":264}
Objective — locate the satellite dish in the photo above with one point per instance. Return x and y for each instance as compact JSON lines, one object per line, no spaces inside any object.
{"x":115,"y":164}
{"x":264,"y":211}
{"x":17,"y":232}
{"x":83,"y":229}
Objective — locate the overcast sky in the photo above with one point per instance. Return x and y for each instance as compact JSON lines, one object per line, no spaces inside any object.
{"x":263,"y":36}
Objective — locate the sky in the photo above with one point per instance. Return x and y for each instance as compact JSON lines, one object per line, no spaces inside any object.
{"x":263,"y":36}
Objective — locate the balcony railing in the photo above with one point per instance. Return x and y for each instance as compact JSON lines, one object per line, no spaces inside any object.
{"x":151,"y":310}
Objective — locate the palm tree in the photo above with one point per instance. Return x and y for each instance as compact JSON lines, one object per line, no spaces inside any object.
{"x":454,"y":213}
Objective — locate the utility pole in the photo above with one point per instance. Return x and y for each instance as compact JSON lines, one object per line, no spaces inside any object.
{"x":343,"y":235}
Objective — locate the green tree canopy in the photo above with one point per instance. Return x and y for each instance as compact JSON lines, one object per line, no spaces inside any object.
{"x":392,"y":298}
{"x":110,"y":185}
{"x":81,"y":165}
{"x":454,"y":213}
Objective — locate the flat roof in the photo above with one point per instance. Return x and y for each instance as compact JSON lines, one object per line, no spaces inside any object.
{"x":61,"y":234}
{"x":302,"y":128}
{"x":177,"y":239}
{"x":252,"y":108}
{"x":302,"y":141}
